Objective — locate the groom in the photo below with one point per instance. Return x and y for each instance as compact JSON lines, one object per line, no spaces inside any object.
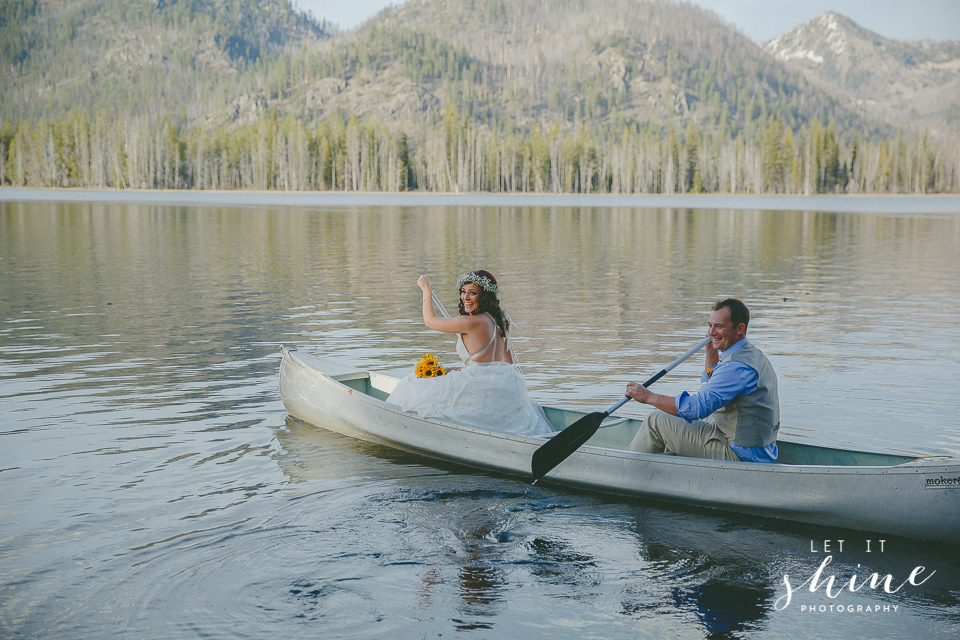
{"x":736,"y":413}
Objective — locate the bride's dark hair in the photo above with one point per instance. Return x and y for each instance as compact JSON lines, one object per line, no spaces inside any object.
{"x":488,"y":302}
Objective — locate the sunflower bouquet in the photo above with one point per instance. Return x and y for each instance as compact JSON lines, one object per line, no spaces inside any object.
{"x":428,"y":367}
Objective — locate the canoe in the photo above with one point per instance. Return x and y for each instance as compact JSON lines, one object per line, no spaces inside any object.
{"x":915,"y":497}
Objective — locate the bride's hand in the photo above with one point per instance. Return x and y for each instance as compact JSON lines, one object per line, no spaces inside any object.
{"x":424,"y":283}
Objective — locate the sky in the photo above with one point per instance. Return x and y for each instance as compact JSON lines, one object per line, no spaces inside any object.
{"x":759,"y":20}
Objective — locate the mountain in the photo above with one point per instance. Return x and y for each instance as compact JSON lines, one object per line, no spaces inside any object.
{"x":508,"y":65}
{"x":910,"y":84}
{"x":511,"y":65}
{"x":523,"y":64}
{"x":152,"y":59}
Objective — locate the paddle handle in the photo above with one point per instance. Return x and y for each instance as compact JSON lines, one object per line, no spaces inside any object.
{"x":667,"y":369}
{"x":436,"y":301}
{"x":673,"y":365}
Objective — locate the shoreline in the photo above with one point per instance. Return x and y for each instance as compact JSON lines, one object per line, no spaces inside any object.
{"x":860,"y":203}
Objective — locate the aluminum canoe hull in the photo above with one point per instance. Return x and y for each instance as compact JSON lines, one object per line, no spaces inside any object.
{"x":918,"y":499}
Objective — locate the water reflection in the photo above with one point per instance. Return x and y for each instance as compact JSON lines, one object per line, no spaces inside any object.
{"x":725,"y":606}
{"x":480,"y":591}
{"x":555,"y":561}
{"x":475,"y":528}
{"x":601,"y":296}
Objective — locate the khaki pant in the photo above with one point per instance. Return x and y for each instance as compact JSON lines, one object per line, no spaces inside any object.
{"x":664,"y":433}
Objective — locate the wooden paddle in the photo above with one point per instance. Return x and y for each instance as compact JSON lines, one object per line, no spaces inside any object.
{"x":560,"y":446}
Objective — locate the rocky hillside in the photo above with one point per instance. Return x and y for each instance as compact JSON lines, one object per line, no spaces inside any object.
{"x":913,"y":84}
{"x":505,"y":65}
{"x":527,"y":63}
{"x":514,"y":65}
{"x":146,"y":58}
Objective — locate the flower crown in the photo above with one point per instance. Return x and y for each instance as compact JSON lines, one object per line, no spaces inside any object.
{"x":483,"y":282}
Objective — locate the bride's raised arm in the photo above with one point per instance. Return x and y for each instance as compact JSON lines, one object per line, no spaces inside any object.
{"x":457,"y":324}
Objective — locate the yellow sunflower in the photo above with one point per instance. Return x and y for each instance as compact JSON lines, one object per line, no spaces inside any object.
{"x":428,"y":367}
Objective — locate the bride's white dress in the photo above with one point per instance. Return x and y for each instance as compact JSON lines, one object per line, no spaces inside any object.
{"x":491,"y":395}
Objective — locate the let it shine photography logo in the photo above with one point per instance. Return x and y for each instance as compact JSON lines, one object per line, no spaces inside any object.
{"x":829,"y":591}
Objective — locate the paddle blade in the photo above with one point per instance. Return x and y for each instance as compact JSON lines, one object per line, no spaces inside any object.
{"x":560,"y":446}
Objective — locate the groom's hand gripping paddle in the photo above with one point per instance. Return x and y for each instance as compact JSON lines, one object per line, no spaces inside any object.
{"x":560,"y":446}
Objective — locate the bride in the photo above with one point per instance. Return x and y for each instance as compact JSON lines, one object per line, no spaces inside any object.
{"x":488,"y":391}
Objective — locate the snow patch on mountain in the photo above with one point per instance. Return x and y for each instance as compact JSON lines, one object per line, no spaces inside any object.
{"x":811,"y":41}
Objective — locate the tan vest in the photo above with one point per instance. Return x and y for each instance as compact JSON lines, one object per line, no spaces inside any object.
{"x":753,"y":419}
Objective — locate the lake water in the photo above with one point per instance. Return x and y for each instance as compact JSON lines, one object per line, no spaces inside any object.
{"x":152,"y":484}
